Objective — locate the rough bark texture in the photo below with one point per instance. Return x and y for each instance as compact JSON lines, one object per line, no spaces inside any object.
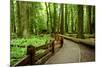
{"x":19,"y":31}
{"x":62,"y":19}
{"x":80,"y":21}
{"x":66,"y":24}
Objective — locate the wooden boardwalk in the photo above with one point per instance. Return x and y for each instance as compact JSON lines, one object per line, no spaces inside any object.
{"x":69,"y":53}
{"x":72,"y":52}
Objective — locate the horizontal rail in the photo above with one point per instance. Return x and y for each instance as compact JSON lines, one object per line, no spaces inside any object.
{"x":23,"y":61}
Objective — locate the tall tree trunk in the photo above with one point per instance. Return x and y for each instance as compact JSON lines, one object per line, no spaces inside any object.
{"x":93,"y":22}
{"x":50,"y":15}
{"x":24,"y":19}
{"x":62,"y":19}
{"x":72,"y":19}
{"x":55,"y":18}
{"x":89,"y":18}
{"x":66,"y":23}
{"x":76,"y":20}
{"x":30,"y":17}
{"x":19,"y":28}
{"x":46,"y":4}
{"x":80,"y":21}
{"x":12,"y":19}
{"x":59,"y":20}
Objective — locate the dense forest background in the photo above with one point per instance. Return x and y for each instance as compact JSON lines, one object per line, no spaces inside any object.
{"x":29,"y":18}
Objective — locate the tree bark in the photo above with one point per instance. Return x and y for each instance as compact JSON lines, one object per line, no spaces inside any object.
{"x":47,"y":16}
{"x":89,"y":18}
{"x":66,"y":23}
{"x":12,"y":19}
{"x":19,"y":29}
{"x":55,"y":18}
{"x":62,"y":19}
{"x":80,"y":21}
{"x":72,"y":19}
{"x":50,"y":15}
{"x":93,"y":25}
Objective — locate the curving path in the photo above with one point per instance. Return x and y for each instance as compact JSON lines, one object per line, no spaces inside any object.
{"x":69,"y":53}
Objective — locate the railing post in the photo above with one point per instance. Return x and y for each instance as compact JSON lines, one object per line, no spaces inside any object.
{"x":31,"y":53}
{"x":52,"y":46}
{"x":62,"y":41}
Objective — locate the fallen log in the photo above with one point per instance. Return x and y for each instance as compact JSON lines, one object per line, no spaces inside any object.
{"x":81,"y":41}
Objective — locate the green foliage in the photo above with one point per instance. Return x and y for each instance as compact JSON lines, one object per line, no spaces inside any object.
{"x":17,"y":53}
{"x":34,"y":40}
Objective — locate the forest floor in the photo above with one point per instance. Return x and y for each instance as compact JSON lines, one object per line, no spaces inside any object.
{"x":72,"y":53}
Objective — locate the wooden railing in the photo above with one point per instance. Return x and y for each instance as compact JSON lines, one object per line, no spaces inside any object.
{"x":31,"y":57}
